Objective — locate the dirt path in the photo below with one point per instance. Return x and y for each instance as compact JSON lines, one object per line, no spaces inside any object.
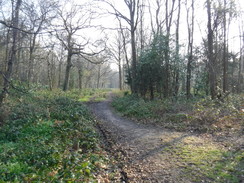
{"x":146,"y":153}
{"x":140,"y":146}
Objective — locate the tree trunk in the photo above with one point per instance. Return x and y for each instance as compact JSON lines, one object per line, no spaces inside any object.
{"x":49,"y":75}
{"x":127,"y":62}
{"x":59,"y":74}
{"x":151,"y":91}
{"x":168,"y":20}
{"x":241,"y":64}
{"x":225,"y":60}
{"x":132,"y":5}
{"x":31,"y":58}
{"x":134,"y":62}
{"x":12,"y":59}
{"x":241,"y":74}
{"x":67,"y":71}
{"x":98,"y":76}
{"x":211,"y":60}
{"x":120,"y":76}
{"x":80,"y":78}
{"x":17,"y":64}
{"x":119,"y":64}
{"x":190,"y":50}
{"x":177,"y":59}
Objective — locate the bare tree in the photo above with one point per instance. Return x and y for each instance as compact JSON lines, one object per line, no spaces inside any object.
{"x":38,"y":15}
{"x":75,"y":19}
{"x":102,"y":72}
{"x":133,"y":6}
{"x":116,"y":51}
{"x":124,"y":34}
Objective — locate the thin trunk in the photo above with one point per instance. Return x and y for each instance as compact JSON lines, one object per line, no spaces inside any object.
{"x":232,"y":75}
{"x":31,"y":58}
{"x":241,"y":62}
{"x":18,"y":63}
{"x":123,"y":75}
{"x":241,"y":74}
{"x":80,"y":78}
{"x":119,"y":62}
{"x":134,"y":62}
{"x":126,"y":55}
{"x":53,"y":72}
{"x":225,"y":60}
{"x":168,"y":19}
{"x":98,"y":76}
{"x":190,"y":50}
{"x":151,"y":91}
{"x":120,"y":76}
{"x":7,"y":50}
{"x":142,"y":36}
{"x":67,"y":71}
{"x":176,"y":79}
{"x":49,"y":75}
{"x":59,"y":74}
{"x":166,"y":52}
{"x":211,"y":60}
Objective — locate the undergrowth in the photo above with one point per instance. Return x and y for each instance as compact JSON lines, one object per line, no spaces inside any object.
{"x":202,"y":115}
{"x":48,"y":137}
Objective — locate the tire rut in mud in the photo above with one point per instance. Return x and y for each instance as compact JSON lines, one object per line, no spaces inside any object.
{"x":109,"y":146}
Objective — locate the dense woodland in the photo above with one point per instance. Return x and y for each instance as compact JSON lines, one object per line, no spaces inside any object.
{"x":161,"y":48}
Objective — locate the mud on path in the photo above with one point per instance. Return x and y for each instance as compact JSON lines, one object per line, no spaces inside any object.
{"x":139,"y":147}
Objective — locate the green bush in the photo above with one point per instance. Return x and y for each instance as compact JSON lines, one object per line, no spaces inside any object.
{"x":132,"y":106}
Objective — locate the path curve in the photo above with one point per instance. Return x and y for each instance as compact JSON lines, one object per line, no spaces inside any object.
{"x":141,"y":146}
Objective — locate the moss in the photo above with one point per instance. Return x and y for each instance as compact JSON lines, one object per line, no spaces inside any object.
{"x":207,"y":161}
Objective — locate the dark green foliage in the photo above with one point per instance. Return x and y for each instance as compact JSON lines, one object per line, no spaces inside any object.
{"x":48,"y":138}
{"x":150,"y":67}
{"x":158,"y":69}
{"x":137,"y":107}
{"x":132,"y":106}
{"x":63,"y":108}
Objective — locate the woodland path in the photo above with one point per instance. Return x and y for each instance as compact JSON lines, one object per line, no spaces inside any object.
{"x":138,"y":147}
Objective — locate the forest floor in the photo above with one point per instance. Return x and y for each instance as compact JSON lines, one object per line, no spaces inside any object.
{"x":146,"y":153}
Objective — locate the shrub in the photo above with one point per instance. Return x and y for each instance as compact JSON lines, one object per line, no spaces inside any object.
{"x":211,"y":116}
